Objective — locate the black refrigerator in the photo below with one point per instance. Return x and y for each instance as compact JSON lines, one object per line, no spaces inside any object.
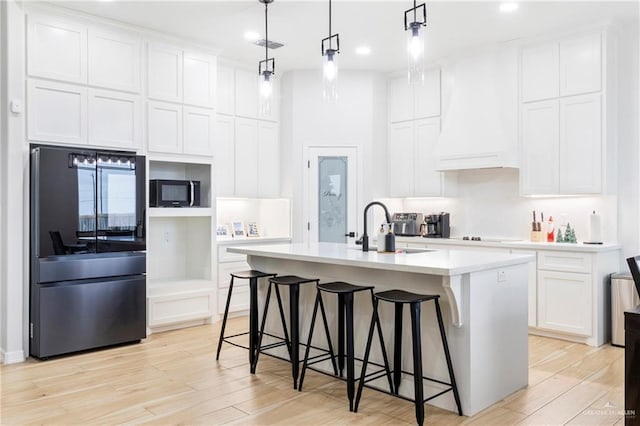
{"x":87,"y":250}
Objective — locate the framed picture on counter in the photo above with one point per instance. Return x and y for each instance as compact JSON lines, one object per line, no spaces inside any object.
{"x":223,"y":232}
{"x":253,"y":229}
{"x":238,"y":229}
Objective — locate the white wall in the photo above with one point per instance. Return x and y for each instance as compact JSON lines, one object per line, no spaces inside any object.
{"x":358,"y":119}
{"x":14,"y":166}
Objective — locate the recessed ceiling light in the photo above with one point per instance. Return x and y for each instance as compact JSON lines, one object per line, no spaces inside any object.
{"x":251,"y":36}
{"x":509,"y":7}
{"x":363,"y":50}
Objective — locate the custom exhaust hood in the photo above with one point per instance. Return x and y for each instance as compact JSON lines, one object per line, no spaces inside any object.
{"x":480,"y":111}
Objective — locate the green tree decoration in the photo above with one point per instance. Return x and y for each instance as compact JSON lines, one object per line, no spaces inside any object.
{"x":570,"y":235}
{"x":559,"y":237}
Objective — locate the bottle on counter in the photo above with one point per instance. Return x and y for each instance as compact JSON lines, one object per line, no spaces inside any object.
{"x":381,"y":239}
{"x":550,"y":230}
{"x":390,"y":240}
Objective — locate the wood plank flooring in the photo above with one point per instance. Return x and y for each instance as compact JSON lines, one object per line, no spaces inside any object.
{"x":173,"y":378}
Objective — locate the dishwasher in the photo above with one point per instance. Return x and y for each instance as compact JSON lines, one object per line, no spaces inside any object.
{"x":624,"y":296}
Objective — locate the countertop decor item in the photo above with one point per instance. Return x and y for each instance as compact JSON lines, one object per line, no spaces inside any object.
{"x":595,"y":229}
{"x":238,"y":229}
{"x":253,"y":229}
{"x":570,"y":235}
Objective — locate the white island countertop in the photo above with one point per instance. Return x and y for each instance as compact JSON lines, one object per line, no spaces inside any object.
{"x":433,"y":262}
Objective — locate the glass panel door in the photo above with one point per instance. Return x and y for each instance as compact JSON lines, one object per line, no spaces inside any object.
{"x":332,"y":199}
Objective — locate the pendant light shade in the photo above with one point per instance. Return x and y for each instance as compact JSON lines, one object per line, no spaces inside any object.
{"x":330,"y":51}
{"x":266,"y":69}
{"x":414,"y":20}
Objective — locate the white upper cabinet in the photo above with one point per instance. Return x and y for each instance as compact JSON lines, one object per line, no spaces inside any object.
{"x":164,"y":72}
{"x":114,"y":119}
{"x":225,"y":89}
{"x":540,"y":148}
{"x":198,"y":131}
{"x":114,"y":59}
{"x":246,"y":158}
{"x":199,"y":75}
{"x":480,"y":121}
{"x":164,"y":127}
{"x":57,"y":112}
{"x":400,"y":100}
{"x":581,"y":64}
{"x":428,"y":181}
{"x":581,"y":144}
{"x":540,"y":72}
{"x":246,"y":94}
{"x":56,"y":49}
{"x":408,"y":102}
{"x":268,"y":159}
{"x":401,"y":159}
{"x":427,"y":95}
{"x":224,"y":155}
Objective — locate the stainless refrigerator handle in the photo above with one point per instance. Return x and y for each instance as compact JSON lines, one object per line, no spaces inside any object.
{"x":192,"y":186}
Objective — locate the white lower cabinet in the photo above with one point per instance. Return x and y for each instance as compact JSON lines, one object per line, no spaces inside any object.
{"x":564,"y":302}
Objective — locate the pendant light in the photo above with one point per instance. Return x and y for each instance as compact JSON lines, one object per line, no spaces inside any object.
{"x":330,"y":49}
{"x":266,"y":68}
{"x":415,"y":41}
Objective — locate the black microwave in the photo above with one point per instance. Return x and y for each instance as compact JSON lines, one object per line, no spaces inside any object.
{"x":174,"y":193}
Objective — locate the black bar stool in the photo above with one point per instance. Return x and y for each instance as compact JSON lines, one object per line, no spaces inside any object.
{"x":399,"y":298}
{"x":252,"y":276}
{"x":293,"y":283}
{"x":345,"y":292}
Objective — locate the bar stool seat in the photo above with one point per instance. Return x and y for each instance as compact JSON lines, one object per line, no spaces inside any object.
{"x":292,"y":336}
{"x":399,"y":298}
{"x":345,"y":292}
{"x":252,"y":275}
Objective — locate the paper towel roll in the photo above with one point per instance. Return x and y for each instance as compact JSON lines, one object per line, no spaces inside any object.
{"x":595,"y":228}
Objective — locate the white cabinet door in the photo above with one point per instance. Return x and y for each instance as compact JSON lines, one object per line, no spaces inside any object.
{"x":246,"y":94}
{"x":56,"y":49}
{"x":114,"y":59}
{"x":198,"y":131}
{"x":246,"y":158}
{"x":564,"y":302}
{"x":401,"y":159}
{"x":268,"y":160}
{"x":224,"y":156}
{"x":581,"y":144}
{"x":427,"y":96}
{"x":540,"y":148}
{"x":164,"y":72}
{"x":199,"y":77}
{"x":164,"y":127}
{"x":57,"y":112}
{"x":400,"y":100}
{"x":225,"y":89}
{"x":114,"y":119}
{"x":580,"y":64}
{"x":540,"y":72}
{"x":428,"y":182}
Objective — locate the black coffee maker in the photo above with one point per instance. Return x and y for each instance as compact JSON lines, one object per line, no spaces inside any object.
{"x":436,"y":225}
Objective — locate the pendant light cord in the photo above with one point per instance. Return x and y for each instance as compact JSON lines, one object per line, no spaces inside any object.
{"x":266,"y":36}
{"x":329,"y":24}
{"x":415,"y":11}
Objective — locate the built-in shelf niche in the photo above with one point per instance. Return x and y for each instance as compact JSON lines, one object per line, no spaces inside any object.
{"x":184,"y":171}
{"x":273,"y":215}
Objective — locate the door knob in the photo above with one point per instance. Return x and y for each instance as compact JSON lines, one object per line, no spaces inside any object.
{"x":350,"y":234}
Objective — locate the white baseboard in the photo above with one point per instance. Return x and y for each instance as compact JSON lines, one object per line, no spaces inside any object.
{"x":11,"y":357}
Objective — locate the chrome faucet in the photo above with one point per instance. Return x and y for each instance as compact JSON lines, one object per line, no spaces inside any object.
{"x":365,"y":237}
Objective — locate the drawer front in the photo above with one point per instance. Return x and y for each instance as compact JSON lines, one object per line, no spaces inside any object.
{"x":224,"y":269}
{"x":239,"y":299}
{"x":225,"y":256}
{"x":564,"y":262}
{"x":180,"y":308}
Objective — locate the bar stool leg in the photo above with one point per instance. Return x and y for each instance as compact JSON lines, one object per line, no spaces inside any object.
{"x":224,"y":319}
{"x":326,"y":331}
{"x":384,"y":351}
{"x":253,"y":322}
{"x":367,"y":350}
{"x":341,"y":308}
{"x":417,"y":361}
{"x":295,"y":336}
{"x":348,"y":300}
{"x":306,"y":352}
{"x":261,"y":333}
{"x":397,"y":348}
{"x":284,"y":321}
{"x":448,"y":357}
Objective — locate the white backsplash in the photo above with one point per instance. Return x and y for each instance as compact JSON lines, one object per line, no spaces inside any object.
{"x":273,"y":215}
{"x":488,"y":204}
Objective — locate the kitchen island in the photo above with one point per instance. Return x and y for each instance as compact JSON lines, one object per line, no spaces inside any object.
{"x":484,"y":304}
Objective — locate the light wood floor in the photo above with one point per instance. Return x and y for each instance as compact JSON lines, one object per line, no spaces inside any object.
{"x":173,"y":378}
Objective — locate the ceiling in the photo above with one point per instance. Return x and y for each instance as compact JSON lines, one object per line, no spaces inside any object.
{"x":300,"y":25}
